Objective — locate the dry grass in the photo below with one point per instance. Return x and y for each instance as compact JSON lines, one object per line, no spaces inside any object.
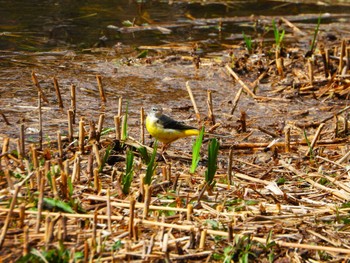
{"x":287,"y":201}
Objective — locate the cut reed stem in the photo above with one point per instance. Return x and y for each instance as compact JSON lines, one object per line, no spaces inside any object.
{"x":40,"y":122}
{"x":100,"y":88}
{"x":189,"y":90}
{"x":36,"y":83}
{"x":58,"y":93}
{"x":81,"y":136}
{"x":70,"y":114}
{"x":210,"y":107}
{"x":73,"y":101}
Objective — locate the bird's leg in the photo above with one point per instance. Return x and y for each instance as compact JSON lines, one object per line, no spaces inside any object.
{"x":164,"y":147}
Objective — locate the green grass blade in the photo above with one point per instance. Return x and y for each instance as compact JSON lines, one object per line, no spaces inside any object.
{"x":151,"y":166}
{"x":129,"y":172}
{"x":196,"y":151}
{"x":144,"y":154}
{"x":278,"y":35}
{"x":213,"y":149}
{"x":275,"y":32}
{"x":313,"y":44}
{"x":70,"y":186}
{"x":62,"y":206}
{"x":309,"y":145}
{"x":281,"y":38}
{"x":105,"y":158}
{"x":248,"y":42}
{"x":125,"y":123}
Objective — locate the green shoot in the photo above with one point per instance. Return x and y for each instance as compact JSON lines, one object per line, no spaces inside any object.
{"x":144,"y":154}
{"x":278,"y":35}
{"x":248,"y":43}
{"x":70,"y":186}
{"x":196,"y":151}
{"x":151,"y":166}
{"x":313,"y":44}
{"x":129,"y":171}
{"x":105,"y":158}
{"x":107,"y":130}
{"x":58,"y":204}
{"x":309,"y":145}
{"x":49,"y":178}
{"x":127,"y":23}
{"x":213,"y":149}
{"x":142,"y":54}
{"x":125,"y":124}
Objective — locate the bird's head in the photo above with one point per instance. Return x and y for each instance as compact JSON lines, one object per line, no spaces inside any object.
{"x":156,"y":111}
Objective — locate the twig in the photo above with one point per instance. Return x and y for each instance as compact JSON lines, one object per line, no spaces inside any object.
{"x":229,"y":166}
{"x":189,"y":90}
{"x":131,"y":218}
{"x":100,"y":88}
{"x":36,"y":83}
{"x":324,"y":60}
{"x":97,"y":184}
{"x":344,"y":158}
{"x":100,"y":126}
{"x":109,"y":211}
{"x":243,"y":122}
{"x":294,"y":27}
{"x":342,"y":196}
{"x":147,"y":194}
{"x":287,"y":139}
{"x":59,"y":144}
{"x":342,"y":54}
{"x":311,"y":71}
{"x":273,"y":135}
{"x":4,"y":118}
{"x":58,"y":93}
{"x":21,"y":141}
{"x":73,"y":102}
{"x":76,"y":168}
{"x":9,"y":215}
{"x":244,"y":86}
{"x":142,"y":125}
{"x":120,"y":106}
{"x":4,"y":153}
{"x":235,"y":100}
{"x":189,"y":212}
{"x":117,"y":128}
{"x":34,"y":156}
{"x":315,"y":139}
{"x":40,"y":122}
{"x":279,"y":62}
{"x":81,"y":136}
{"x":210,"y":107}
{"x":202,"y":239}
{"x":70,"y":114}
{"x":41,"y":183}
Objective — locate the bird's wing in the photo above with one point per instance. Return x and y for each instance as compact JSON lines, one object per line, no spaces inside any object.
{"x":169,"y":123}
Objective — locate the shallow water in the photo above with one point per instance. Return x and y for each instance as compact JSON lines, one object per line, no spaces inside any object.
{"x":47,"y":25}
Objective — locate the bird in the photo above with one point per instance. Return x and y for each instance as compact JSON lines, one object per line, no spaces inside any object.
{"x":166,"y":129}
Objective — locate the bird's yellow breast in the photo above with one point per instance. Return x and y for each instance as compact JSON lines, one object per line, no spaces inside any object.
{"x":166,"y":135}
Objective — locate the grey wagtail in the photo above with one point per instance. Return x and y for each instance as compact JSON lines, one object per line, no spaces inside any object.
{"x":165,"y":129}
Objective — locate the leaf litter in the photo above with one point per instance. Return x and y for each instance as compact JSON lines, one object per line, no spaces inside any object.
{"x":281,"y":190}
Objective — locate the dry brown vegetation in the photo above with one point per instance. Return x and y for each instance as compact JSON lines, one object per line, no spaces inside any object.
{"x":282,"y":187}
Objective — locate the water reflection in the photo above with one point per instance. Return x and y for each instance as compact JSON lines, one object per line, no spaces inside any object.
{"x":45,"y":25}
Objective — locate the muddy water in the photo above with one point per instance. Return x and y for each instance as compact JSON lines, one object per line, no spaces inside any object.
{"x":74,"y":41}
{"x":45,"y":25}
